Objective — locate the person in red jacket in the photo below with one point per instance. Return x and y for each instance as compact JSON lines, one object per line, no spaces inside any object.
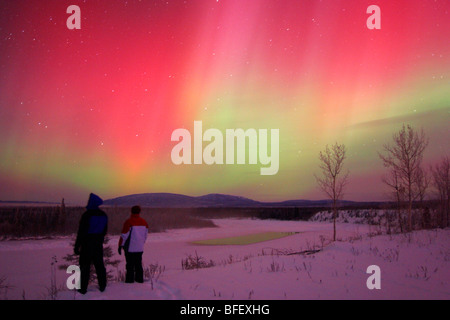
{"x":132,"y":240}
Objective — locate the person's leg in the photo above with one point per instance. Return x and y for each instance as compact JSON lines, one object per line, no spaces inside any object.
{"x":85,"y":269}
{"x":129,"y":278}
{"x":100,"y":268}
{"x":139,"y":276}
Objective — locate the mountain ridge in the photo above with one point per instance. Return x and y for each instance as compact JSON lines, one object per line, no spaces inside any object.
{"x":174,"y":200}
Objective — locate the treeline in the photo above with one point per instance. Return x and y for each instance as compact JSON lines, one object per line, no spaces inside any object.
{"x":270,"y":212}
{"x":42,"y":221}
{"x":28,"y":221}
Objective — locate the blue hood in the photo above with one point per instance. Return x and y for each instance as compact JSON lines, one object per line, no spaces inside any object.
{"x":94,"y":202}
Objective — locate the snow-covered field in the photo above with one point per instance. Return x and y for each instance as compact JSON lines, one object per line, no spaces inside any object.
{"x":413,"y":266}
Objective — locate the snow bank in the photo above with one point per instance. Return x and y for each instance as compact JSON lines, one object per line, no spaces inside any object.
{"x":413,"y":266}
{"x":358,"y":216}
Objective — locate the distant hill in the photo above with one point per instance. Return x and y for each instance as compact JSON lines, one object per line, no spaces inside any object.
{"x":172,"y":200}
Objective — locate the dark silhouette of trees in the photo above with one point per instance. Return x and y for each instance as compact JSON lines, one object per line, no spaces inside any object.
{"x":332,"y":181}
{"x":398,"y":193}
{"x":404,"y":158}
{"x":441,"y":183}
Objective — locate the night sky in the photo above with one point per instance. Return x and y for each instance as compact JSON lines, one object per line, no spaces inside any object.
{"x":92,"y":110}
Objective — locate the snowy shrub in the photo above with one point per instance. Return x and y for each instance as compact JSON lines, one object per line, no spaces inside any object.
{"x":73,"y":259}
{"x":153,"y":272}
{"x":276,"y":267}
{"x":196,"y":262}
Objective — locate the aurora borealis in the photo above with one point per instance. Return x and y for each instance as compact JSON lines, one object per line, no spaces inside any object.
{"x":92,"y":110}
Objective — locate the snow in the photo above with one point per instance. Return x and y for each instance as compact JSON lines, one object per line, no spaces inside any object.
{"x":413,"y":266}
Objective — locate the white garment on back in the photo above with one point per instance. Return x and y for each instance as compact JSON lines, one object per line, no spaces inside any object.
{"x":137,"y":240}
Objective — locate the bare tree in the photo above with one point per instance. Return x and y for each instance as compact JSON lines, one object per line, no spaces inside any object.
{"x":441,"y":182}
{"x":404,"y":157}
{"x":331,"y":181}
{"x":422,"y":182}
{"x":398,"y":193}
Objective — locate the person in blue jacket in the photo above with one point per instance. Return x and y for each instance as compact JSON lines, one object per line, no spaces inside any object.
{"x":89,"y":243}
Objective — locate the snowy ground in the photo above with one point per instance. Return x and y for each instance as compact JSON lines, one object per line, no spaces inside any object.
{"x":414,"y":266}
